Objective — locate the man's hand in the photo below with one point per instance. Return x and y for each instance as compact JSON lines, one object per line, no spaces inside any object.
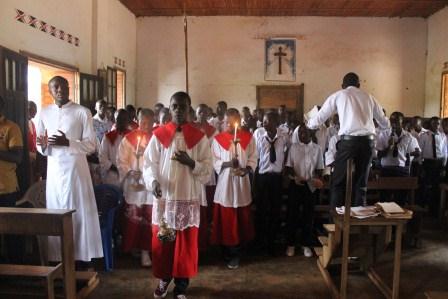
{"x":183,"y":158}
{"x":156,"y":191}
{"x":59,"y":140}
{"x":245,"y":171}
{"x":42,"y":140}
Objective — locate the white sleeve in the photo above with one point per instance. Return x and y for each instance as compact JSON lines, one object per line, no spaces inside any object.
{"x":40,"y":131}
{"x":290,"y":159}
{"x":252,"y":155}
{"x":103,"y":155}
{"x":320,"y":159}
{"x":124,"y":158}
{"x":151,"y":161}
{"x":203,"y":162}
{"x":87,"y":144}
{"x":378,"y":115}
{"x":327,"y":110}
{"x":216,"y":156}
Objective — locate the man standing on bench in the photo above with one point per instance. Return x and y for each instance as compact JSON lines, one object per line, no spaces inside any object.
{"x":356,"y":110}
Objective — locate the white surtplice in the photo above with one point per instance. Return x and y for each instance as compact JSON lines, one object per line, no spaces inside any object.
{"x":181,"y":186}
{"x":127,"y":160}
{"x":69,"y":185}
{"x":233,"y":191}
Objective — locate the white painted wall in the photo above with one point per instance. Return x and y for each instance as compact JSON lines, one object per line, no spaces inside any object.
{"x":227,"y":60}
{"x":105,"y":29}
{"x":437,"y":56}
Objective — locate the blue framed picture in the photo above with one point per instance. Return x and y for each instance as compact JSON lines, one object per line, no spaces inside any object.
{"x":280,"y":60}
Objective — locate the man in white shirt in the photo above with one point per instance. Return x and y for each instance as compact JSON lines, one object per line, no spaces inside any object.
{"x":220,"y":121}
{"x":434,"y":146}
{"x":304,"y":166}
{"x":356,"y":110}
{"x":177,"y":162}
{"x":396,"y":147}
{"x":101,"y":123}
{"x":271,"y":148}
{"x":69,"y":185}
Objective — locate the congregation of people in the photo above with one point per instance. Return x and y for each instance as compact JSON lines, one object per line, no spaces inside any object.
{"x":245,"y":181}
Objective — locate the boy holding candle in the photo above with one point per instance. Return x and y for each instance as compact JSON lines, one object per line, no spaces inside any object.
{"x":234,"y":157}
{"x":138,"y":207}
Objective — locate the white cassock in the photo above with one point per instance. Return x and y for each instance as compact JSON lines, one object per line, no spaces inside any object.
{"x":234,"y":191}
{"x":126,"y":161}
{"x":181,"y":186}
{"x":107,"y":156}
{"x":69,"y":185}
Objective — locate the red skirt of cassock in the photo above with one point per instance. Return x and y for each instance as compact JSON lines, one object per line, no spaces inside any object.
{"x":178,"y":259}
{"x":231,"y":226}
{"x":138,"y":228}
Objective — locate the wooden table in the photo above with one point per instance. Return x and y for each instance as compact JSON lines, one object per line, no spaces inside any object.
{"x":45,"y":222}
{"x":372,"y":274}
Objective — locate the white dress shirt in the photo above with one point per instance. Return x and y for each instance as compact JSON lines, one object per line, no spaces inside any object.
{"x":330,"y":154}
{"x":281,"y":145}
{"x":305,"y":159}
{"x":405,"y":143}
{"x":418,"y":134}
{"x":425,"y":142}
{"x":356,"y":110}
{"x":220,"y":125}
{"x":107,"y":155}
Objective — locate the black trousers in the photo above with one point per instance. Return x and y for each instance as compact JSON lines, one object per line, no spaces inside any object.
{"x":268,"y":203}
{"x":14,"y":244}
{"x":300,"y":213}
{"x":431,"y":177}
{"x":399,"y":196}
{"x":360,"y":150}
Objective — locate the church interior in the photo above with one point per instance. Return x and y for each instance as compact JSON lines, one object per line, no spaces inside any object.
{"x":257,"y":55}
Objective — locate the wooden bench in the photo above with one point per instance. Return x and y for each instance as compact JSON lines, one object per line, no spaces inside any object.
{"x":44,"y":222}
{"x":49,"y":273}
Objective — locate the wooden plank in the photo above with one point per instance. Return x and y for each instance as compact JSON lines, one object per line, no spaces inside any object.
{"x":346,"y":230}
{"x":28,"y":270}
{"x":328,"y":281}
{"x":330,"y":227}
{"x":323,"y":240}
{"x":318,"y":251}
{"x":379,"y":283}
{"x":397,"y":262}
{"x":436,"y":295}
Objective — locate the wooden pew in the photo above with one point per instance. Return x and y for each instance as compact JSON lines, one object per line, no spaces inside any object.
{"x":42,"y":222}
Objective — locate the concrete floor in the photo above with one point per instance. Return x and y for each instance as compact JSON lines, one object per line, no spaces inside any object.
{"x":284,"y":277}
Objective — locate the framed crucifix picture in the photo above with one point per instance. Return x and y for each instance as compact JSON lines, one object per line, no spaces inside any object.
{"x":280,"y":60}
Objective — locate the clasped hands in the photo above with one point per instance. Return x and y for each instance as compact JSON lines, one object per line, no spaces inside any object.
{"x":235,"y":164}
{"x":183,"y":158}
{"x":57,"y":140}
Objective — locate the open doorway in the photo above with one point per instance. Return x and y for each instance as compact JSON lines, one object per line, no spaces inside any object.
{"x":39,"y":73}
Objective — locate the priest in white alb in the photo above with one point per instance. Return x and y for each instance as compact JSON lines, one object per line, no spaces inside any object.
{"x":66,"y":135}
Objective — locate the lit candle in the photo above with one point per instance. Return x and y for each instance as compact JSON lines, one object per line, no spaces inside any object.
{"x":138,"y":144}
{"x":236,"y":129}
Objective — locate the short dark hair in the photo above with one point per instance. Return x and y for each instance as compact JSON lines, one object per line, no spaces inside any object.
{"x":145,"y":112}
{"x":58,"y":78}
{"x":181,"y":95}
{"x":232,"y":112}
{"x":350,"y":79}
{"x":398,"y":114}
{"x":130,"y":108}
{"x":272,"y":115}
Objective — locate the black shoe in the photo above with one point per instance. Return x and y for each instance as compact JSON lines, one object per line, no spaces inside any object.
{"x":234,"y":263}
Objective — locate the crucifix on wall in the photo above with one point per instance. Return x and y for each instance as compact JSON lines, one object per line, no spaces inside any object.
{"x":280,"y":60}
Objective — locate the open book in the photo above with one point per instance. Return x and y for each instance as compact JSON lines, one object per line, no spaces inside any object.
{"x":390,"y":207}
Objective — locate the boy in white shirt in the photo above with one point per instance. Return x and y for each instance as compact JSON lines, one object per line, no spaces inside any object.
{"x":304,"y":166}
{"x":271,"y":147}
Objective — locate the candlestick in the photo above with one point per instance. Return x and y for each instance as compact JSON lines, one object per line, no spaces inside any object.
{"x":138,"y":145}
{"x":236,"y":129}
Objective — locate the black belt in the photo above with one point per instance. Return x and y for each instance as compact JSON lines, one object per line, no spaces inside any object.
{"x":363,"y":137}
